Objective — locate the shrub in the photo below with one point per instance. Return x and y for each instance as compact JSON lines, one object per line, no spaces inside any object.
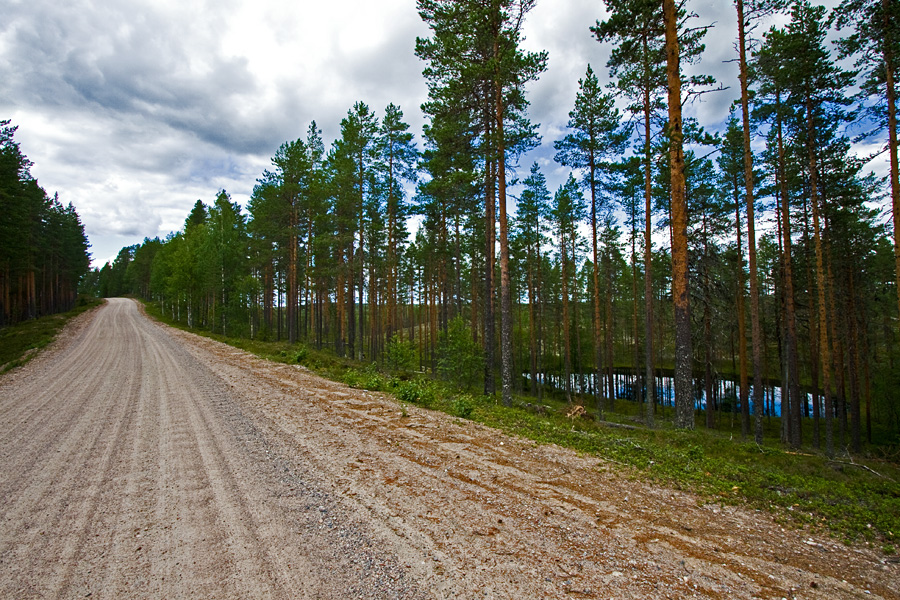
{"x":415,"y":392}
{"x":365,"y":380}
{"x":400,"y":354}
{"x":463,"y":406}
{"x":461,"y":360}
{"x":301,"y":354}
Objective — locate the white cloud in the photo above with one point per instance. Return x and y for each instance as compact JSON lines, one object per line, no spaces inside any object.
{"x":134,"y":109}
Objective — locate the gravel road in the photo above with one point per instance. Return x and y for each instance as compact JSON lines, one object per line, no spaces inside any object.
{"x":139,"y":461}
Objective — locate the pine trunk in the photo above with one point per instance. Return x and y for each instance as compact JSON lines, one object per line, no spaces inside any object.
{"x":824,"y":353}
{"x":489,"y":385}
{"x":891,"y":92}
{"x":684,"y":402}
{"x":650,"y":395}
{"x":790,"y":311}
{"x":564,"y":272}
{"x":598,"y":349}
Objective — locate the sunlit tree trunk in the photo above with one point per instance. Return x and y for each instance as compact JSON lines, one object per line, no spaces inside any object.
{"x":684,"y":402}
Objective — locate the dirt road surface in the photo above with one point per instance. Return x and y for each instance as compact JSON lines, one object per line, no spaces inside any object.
{"x":138,"y":461}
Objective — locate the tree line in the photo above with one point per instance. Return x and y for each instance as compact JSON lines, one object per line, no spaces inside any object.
{"x":671,"y":258}
{"x":43,"y":248}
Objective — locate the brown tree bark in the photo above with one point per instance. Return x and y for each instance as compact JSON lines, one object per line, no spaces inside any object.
{"x":684,"y":402}
{"x":742,"y":325}
{"x":650,"y":395}
{"x":532,"y":334}
{"x":853,"y":371}
{"x":891,"y":92}
{"x":824,"y":353}
{"x":638,"y":395}
{"x":490,"y":224}
{"x":610,"y":383}
{"x":564,"y":272}
{"x":790,"y":338}
{"x":755,"y":329}
{"x":598,"y":348}
{"x":506,"y":356}
{"x":813,"y":337}
{"x":293,"y":260}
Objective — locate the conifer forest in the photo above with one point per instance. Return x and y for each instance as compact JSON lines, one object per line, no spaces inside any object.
{"x":728,"y":274}
{"x":43,"y":247}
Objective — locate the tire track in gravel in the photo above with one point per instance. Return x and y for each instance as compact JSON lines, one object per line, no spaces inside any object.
{"x":54,"y":460}
{"x":129,"y":471}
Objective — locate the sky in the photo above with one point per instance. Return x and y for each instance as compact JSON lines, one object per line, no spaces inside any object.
{"x":134,"y":109}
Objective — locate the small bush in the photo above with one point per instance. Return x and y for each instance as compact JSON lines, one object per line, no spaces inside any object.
{"x":415,"y":392}
{"x":463,"y":406}
{"x":353,"y":378}
{"x":370,"y":379}
{"x":300,"y":355}
{"x":461,"y":358}
{"x":695,"y":452}
{"x":407,"y":391}
{"x":400,"y":354}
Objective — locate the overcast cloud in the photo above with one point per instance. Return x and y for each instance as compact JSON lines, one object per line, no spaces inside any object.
{"x":132,"y":110}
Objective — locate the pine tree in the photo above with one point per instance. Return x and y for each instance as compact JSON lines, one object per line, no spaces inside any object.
{"x":637,"y":64}
{"x":795,"y":59}
{"x":875,"y":44}
{"x":755,"y":10}
{"x":287,"y":189}
{"x":398,"y":162}
{"x":684,"y":404}
{"x":594,"y":138}
{"x":732,"y":167}
{"x":529,"y":228}
{"x":568,"y":211}
{"x":476,"y":64}
{"x":354,"y":158}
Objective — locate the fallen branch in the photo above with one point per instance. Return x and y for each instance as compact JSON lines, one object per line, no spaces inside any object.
{"x":619,"y":425}
{"x":853,"y":464}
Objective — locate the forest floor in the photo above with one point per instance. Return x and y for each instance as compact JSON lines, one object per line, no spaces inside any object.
{"x":142,"y":461}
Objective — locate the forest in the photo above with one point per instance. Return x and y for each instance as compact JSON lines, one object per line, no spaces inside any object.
{"x":43,"y":247}
{"x":746,"y":272}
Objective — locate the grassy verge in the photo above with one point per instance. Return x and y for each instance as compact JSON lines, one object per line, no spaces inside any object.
{"x":852,"y":498}
{"x":19,"y":343}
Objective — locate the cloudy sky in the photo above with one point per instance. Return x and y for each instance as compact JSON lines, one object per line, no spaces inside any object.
{"x":134,"y":109}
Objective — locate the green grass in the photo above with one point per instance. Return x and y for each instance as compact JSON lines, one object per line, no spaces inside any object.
{"x":19,"y":343}
{"x":854,"y":499}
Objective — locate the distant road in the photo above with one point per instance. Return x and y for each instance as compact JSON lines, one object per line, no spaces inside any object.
{"x":138,"y":461}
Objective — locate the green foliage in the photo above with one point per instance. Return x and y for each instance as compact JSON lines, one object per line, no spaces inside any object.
{"x":400,"y":354}
{"x":415,"y":392}
{"x":461,"y":360}
{"x":43,"y":247}
{"x":463,"y":406}
{"x":296,"y":356}
{"x":300,"y":355}
{"x":368,"y":379}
